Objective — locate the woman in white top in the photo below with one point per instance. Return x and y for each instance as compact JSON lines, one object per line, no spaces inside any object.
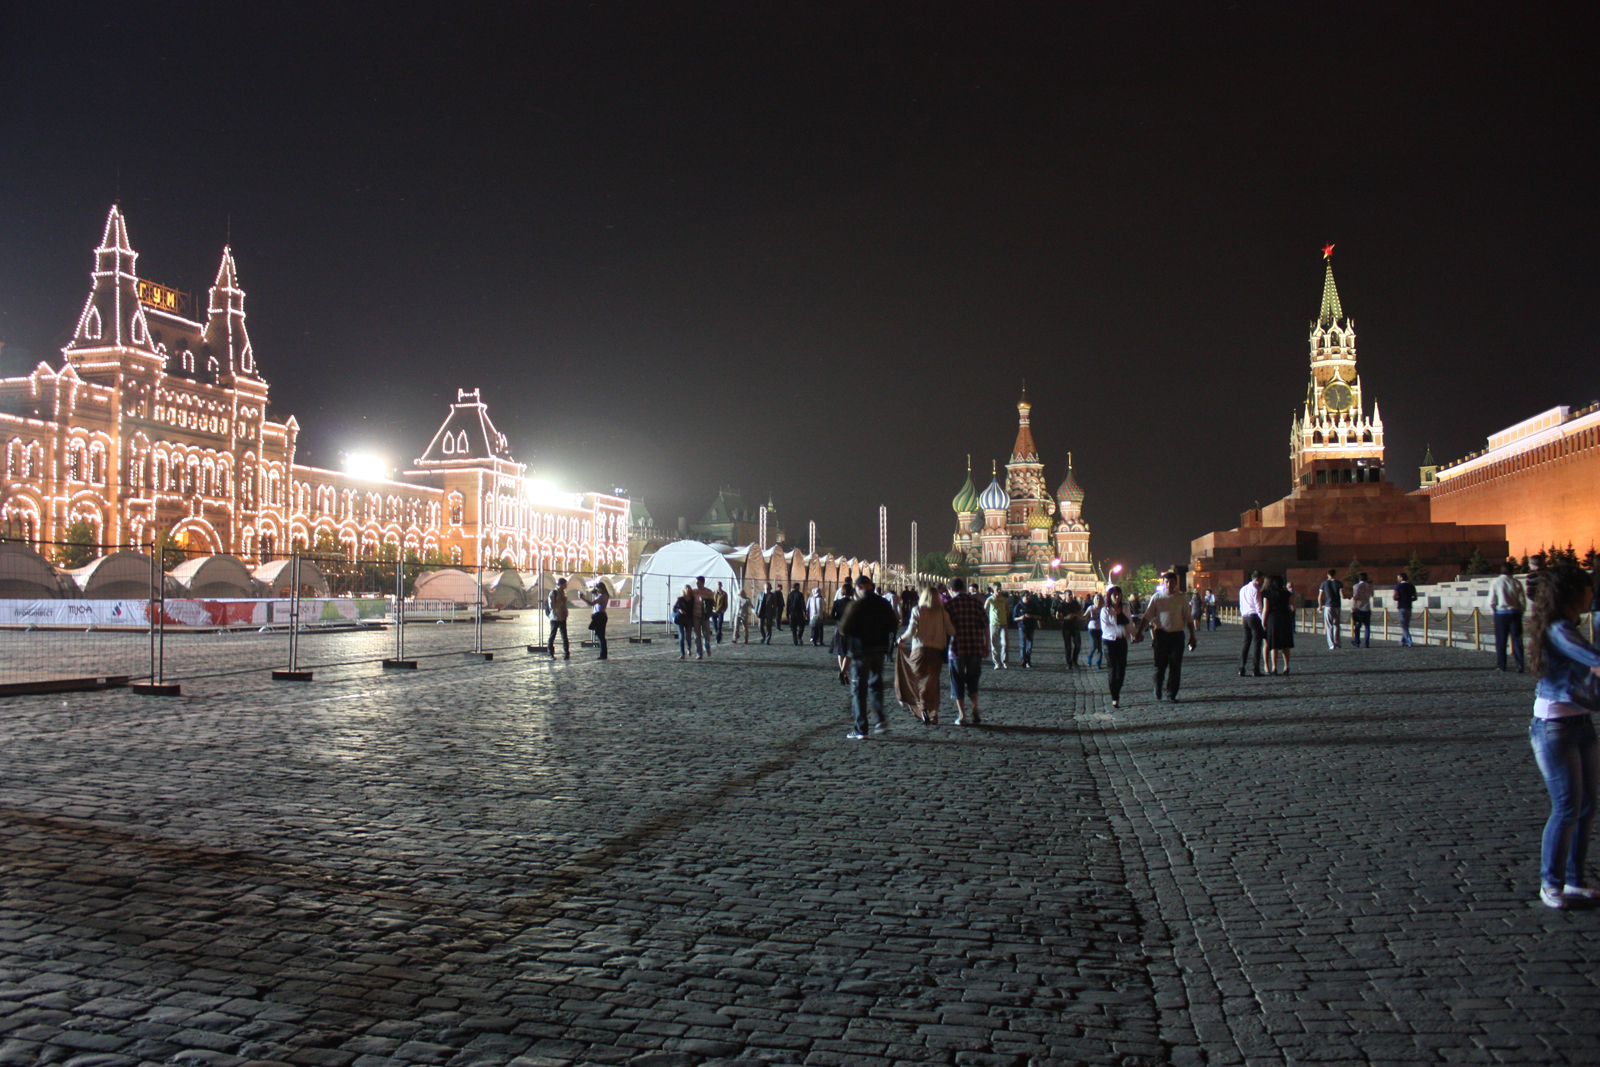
{"x":1097,"y":654}
{"x":927,"y":635}
{"x":814,"y":612}
{"x":1114,"y":639}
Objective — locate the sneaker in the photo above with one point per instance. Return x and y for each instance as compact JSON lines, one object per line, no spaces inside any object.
{"x":881,"y":728}
{"x":1587,"y":894}
{"x":1552,"y":897}
{"x":857,"y":735}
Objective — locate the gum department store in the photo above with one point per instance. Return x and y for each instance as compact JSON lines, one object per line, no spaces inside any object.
{"x":157,"y":423}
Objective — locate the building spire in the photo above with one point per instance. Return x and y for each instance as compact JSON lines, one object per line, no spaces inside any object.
{"x":1332,"y":312}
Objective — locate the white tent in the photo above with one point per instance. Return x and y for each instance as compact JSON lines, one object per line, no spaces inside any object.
{"x":26,"y":575}
{"x":120,"y":576}
{"x":664,"y":573}
{"x":220,"y":577}
{"x":447,"y":583}
{"x":277,"y":578}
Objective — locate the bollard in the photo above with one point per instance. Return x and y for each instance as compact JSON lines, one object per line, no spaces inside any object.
{"x":1425,"y":614}
{"x":1477,"y":631}
{"x":1449,"y":627}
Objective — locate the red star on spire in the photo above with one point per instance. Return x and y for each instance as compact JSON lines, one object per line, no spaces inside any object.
{"x":1327,"y":252}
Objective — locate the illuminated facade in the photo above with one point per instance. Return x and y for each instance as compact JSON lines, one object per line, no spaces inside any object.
{"x":1332,"y":435}
{"x":1012,"y":533}
{"x":156,"y":424}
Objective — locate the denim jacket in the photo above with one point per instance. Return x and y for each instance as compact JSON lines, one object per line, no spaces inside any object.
{"x":1567,"y":658}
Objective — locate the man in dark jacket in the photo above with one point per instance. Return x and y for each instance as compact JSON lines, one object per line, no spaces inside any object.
{"x":1405,"y":595}
{"x":768,"y":608}
{"x":868,"y":627}
{"x":796,"y":608}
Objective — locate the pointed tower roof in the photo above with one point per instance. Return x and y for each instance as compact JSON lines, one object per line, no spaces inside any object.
{"x":1069,"y":491}
{"x":467,"y":436}
{"x":1332,"y":312}
{"x":966,"y":498}
{"x":1427,"y":457}
{"x":1024,"y":451}
{"x":112,"y":316}
{"x":225,"y":335}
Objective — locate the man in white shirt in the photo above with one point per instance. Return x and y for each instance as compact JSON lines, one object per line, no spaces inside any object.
{"x":1250,"y":617}
{"x":998,"y":608}
{"x":1169,"y":612}
{"x":1361,"y":613}
{"x":1508,"y":600}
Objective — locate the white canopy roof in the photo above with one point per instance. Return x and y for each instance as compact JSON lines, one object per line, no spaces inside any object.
{"x":664,"y":573}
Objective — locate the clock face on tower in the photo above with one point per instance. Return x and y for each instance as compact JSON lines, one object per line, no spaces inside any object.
{"x":1337,"y":396}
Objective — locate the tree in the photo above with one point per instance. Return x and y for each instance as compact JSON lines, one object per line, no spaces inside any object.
{"x":1142,"y":582}
{"x":79,"y":547}
{"x":1416,"y":570}
{"x":1476,"y":564}
{"x":1352,"y":574}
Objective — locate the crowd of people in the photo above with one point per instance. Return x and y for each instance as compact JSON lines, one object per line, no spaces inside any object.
{"x":965,"y":627}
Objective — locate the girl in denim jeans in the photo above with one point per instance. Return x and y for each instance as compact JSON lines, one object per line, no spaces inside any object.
{"x":1562,"y":731}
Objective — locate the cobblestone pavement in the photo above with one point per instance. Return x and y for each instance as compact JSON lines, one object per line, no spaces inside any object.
{"x":656,"y":862}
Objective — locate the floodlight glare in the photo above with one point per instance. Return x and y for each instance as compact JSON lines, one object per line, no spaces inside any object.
{"x":366,"y":465}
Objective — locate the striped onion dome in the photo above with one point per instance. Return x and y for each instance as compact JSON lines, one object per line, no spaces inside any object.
{"x":994,"y":498}
{"x":967,"y":498}
{"x":1070,"y":491}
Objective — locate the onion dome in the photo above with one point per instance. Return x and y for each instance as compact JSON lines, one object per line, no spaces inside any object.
{"x":1039,"y":518}
{"x":994,"y":498}
{"x":1070,"y":491}
{"x":955,"y":557}
{"x":976,"y":525}
{"x":967,"y":498}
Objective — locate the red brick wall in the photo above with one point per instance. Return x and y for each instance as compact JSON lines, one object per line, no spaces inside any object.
{"x":1550,"y":496}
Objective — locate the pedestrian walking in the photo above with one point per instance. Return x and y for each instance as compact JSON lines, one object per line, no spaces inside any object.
{"x":1171,"y":621}
{"x":1254,"y":628}
{"x":969,"y":644}
{"x":998,"y":607}
{"x":1197,"y":609}
{"x":683,"y":619}
{"x":868,"y":627}
{"x":1114,"y":627}
{"x":597,"y":600}
{"x":1071,"y":614}
{"x":815,"y":614}
{"x":926,"y":640}
{"x":1562,"y":731}
{"x":1361,"y":613}
{"x":1405,"y":595}
{"x":1278,"y":623}
{"x":1330,"y":598}
{"x":768,"y":608}
{"x":719,"y":608}
{"x":741,"y":614}
{"x":1212,"y":621}
{"x":1091,"y":623}
{"x":558,"y":619}
{"x":1508,"y":600}
{"x":1025,"y":614}
{"x":704,"y":606}
{"x":796,"y":608}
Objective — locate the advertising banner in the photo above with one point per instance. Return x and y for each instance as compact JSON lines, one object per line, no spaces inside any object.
{"x":74,"y":613}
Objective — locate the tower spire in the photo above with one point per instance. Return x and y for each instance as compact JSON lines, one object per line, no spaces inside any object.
{"x":1332,"y":312}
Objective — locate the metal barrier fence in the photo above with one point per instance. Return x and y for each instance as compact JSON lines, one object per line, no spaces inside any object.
{"x":1429,"y":626}
{"x":77,"y":615}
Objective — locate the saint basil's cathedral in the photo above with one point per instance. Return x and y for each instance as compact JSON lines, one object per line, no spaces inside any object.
{"x":1017,"y":535}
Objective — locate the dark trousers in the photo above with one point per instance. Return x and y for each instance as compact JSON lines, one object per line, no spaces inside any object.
{"x":1025,"y":641}
{"x":1169,"y":660}
{"x":1361,"y":628}
{"x":1117,"y":661}
{"x":1072,"y":638}
{"x":1250,"y":658}
{"x":559,"y":626}
{"x":716,"y":623}
{"x":797,"y":628}
{"x":597,"y":623}
{"x":866,"y":688}
{"x":1507,"y":627}
{"x":766,"y":629}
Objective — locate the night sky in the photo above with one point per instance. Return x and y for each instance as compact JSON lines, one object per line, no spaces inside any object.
{"x":816,"y":251}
